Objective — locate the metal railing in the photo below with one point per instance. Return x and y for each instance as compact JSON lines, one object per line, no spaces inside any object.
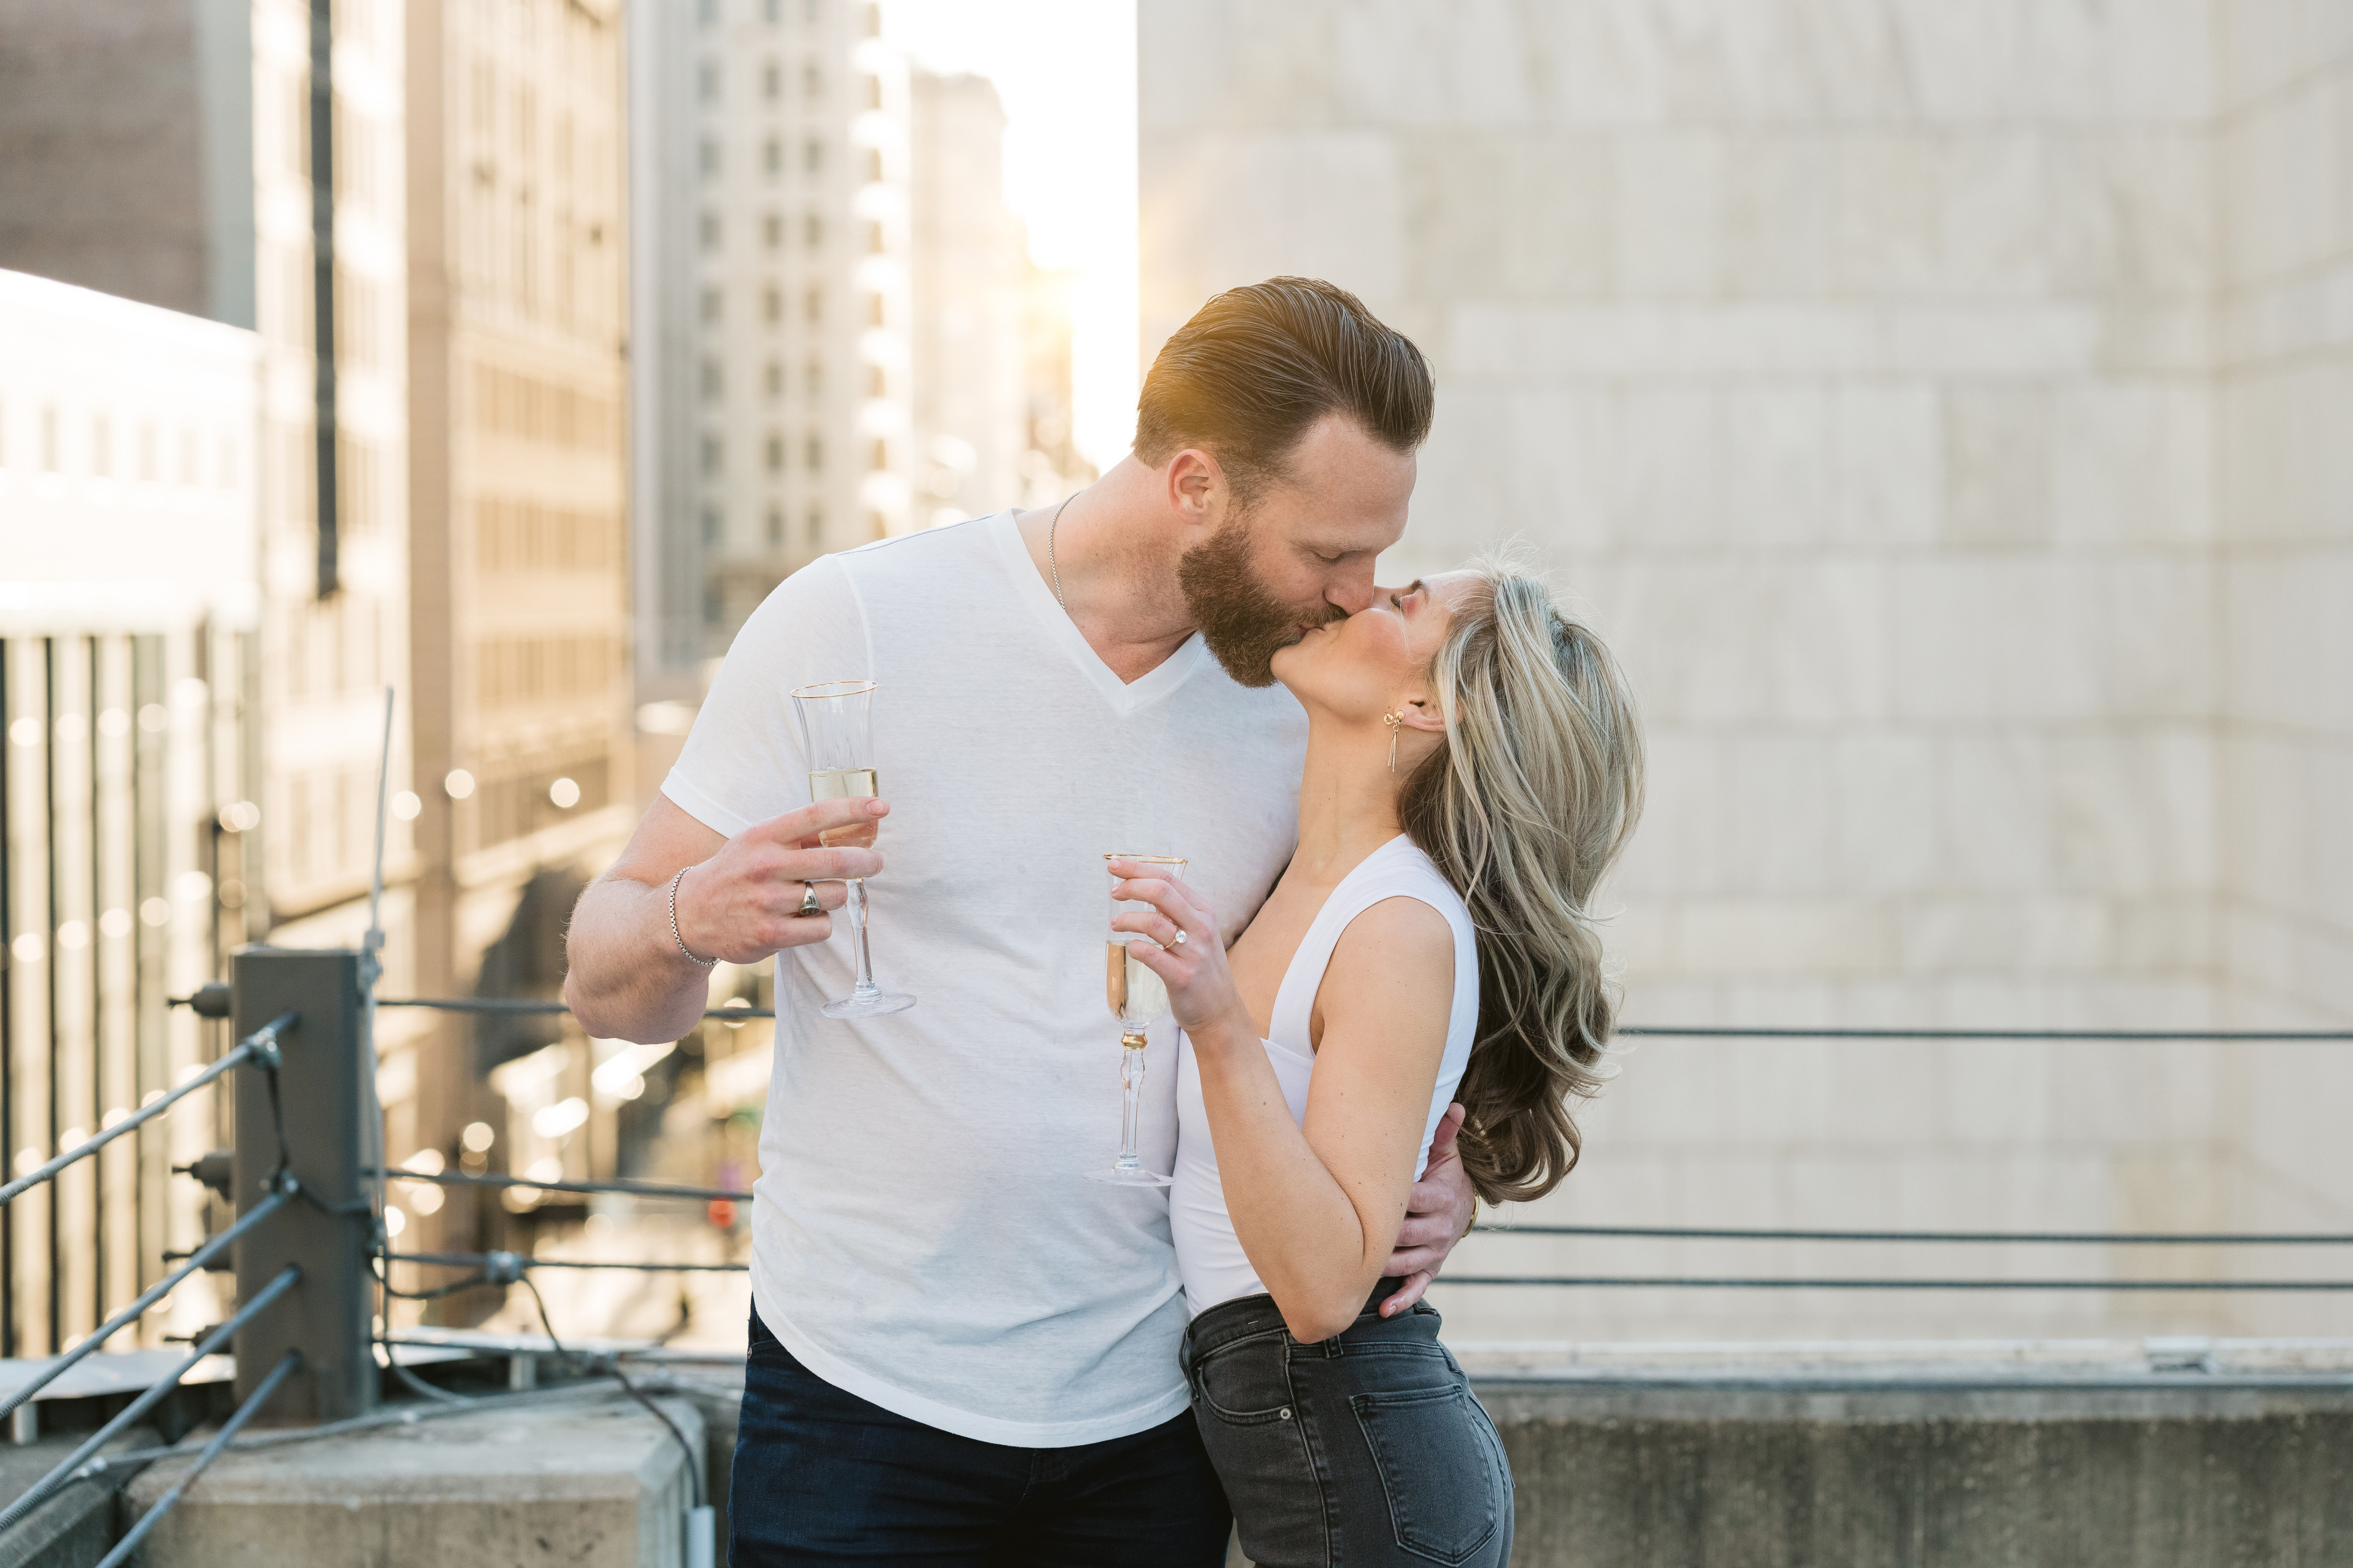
{"x":497,"y":1266}
{"x":262,"y":1050}
{"x":307,"y":1239}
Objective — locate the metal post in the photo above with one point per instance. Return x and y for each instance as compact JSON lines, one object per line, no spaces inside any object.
{"x":326,"y":1229}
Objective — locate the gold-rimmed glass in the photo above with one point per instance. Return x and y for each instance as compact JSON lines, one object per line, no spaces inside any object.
{"x":837,"y":725}
{"x":1138,"y":998}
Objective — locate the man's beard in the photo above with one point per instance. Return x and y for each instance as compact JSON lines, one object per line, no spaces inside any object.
{"x":1244,"y":625}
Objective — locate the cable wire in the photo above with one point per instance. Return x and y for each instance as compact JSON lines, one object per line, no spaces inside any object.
{"x":1678,"y":1283}
{"x":230,"y":1429}
{"x":42,"y":1490}
{"x":693,"y":1459}
{"x":2087,"y":1238}
{"x":138,"y":1309}
{"x":256,"y":1044}
{"x":619,"y":1187}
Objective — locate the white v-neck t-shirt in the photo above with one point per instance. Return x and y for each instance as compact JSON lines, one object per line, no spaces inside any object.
{"x":925,"y":1235}
{"x":1209,"y":1257}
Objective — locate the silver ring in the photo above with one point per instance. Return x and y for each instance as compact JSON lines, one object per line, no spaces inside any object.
{"x":809,"y":904}
{"x":1180,"y":939}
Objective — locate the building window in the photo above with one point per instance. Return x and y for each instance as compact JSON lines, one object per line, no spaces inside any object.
{"x":816,"y":526}
{"x":874,"y":164}
{"x":709,"y":525}
{"x":874,"y":237}
{"x":877,"y":384}
{"x":772,"y":231}
{"x":874,"y":92}
{"x":710,"y":298}
{"x":772,"y":303}
{"x":812,"y":82}
{"x":772,"y":157}
{"x":707,"y":11}
{"x":775,"y":527}
{"x":813,"y":304}
{"x":875,"y":316}
{"x":814,"y":379}
{"x":714,"y":456}
{"x":771,"y":82}
{"x":710,"y":158}
{"x":813,"y":156}
{"x":813,"y":231}
{"x":816,"y":463}
{"x":776,"y":379}
{"x":877,"y":524}
{"x":711,"y":383}
{"x":706,"y":84}
{"x":772,"y":11}
{"x":881,"y":460}
{"x":710,"y":231}
{"x":776,"y":453}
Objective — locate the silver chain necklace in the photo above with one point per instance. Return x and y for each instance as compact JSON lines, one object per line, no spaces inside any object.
{"x":1052,"y":523}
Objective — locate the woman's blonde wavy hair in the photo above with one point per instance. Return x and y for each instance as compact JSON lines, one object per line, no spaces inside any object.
{"x":1524,"y":809}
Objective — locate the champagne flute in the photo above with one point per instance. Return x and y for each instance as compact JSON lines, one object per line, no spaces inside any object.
{"x":836,"y":721}
{"x":1138,"y":999}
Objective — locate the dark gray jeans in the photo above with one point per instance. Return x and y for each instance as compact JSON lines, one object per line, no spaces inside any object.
{"x":1365,"y":1449}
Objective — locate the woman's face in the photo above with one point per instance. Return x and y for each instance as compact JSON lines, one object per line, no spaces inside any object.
{"x":1378,"y":658}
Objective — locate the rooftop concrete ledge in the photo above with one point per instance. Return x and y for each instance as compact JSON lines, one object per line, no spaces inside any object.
{"x":587,"y":1484}
{"x":1968,"y":1476}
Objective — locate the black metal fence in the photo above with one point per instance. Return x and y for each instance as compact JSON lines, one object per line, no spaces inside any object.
{"x":309,"y":1253}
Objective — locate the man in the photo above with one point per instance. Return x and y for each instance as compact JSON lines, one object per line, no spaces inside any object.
{"x":962,"y":1350}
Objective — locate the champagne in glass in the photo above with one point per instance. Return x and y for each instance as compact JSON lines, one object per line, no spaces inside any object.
{"x":845,"y":784}
{"x":1138,"y":998}
{"x":837,"y":728}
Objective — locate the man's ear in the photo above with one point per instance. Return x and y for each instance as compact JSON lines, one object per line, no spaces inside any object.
{"x":1196,"y":484}
{"x":1421,"y":711}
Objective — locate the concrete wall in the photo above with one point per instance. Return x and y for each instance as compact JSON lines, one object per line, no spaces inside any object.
{"x":1937,"y":1482}
{"x":2284,"y":345}
{"x":1856,"y":367}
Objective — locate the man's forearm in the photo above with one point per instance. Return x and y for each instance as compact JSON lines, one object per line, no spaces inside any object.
{"x":627,"y":979}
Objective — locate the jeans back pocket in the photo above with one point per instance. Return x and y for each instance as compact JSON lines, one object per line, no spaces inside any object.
{"x":1440,"y":1467}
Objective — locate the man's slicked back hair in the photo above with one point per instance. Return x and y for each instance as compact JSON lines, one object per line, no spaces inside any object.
{"x":1257,"y":365}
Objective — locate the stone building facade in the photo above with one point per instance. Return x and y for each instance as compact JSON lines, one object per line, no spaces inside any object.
{"x":1931,"y":403}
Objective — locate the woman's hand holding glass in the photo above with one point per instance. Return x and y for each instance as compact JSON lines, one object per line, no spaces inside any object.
{"x":743,"y":904}
{"x":1202,"y":998}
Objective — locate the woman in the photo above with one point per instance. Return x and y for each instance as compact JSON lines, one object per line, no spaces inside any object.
{"x":1474,"y":767}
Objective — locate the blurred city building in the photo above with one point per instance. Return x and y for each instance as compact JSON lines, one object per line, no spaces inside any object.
{"x":160,"y":151}
{"x":129,"y":605}
{"x":843,"y":337}
{"x":518,"y":490}
{"x":970,"y":261}
{"x":1936,"y":408}
{"x":770,"y":170}
{"x":174,"y":154}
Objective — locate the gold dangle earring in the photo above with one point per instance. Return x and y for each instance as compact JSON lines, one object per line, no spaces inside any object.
{"x":1393,"y":721}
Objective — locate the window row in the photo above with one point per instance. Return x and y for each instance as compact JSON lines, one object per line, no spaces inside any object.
{"x":103,"y":448}
{"x":710,"y":75}
{"x":710,"y":157}
{"x":773,"y":524}
{"x":524,"y":536}
{"x":508,"y":671}
{"x":509,"y":402}
{"x":772,"y":231}
{"x":771,"y":454}
{"x":772,"y":380}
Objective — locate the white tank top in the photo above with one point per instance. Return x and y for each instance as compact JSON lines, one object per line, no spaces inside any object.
{"x":1209,"y":1258}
